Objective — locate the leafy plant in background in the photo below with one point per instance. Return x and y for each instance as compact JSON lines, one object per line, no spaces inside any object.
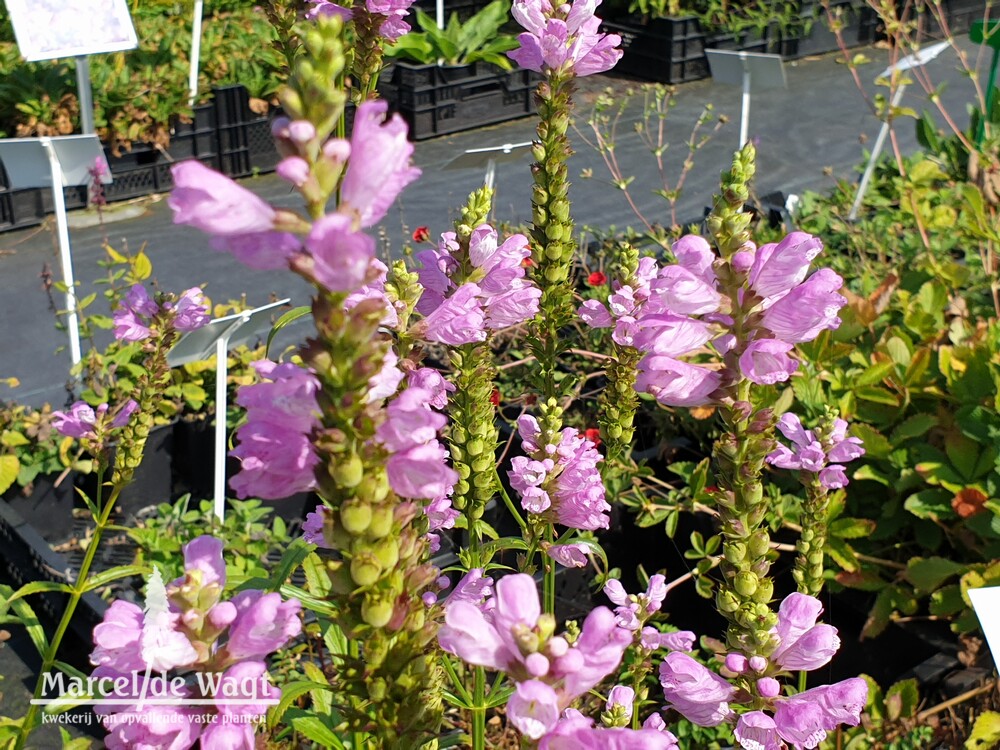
{"x":31,"y":447}
{"x":459,"y":43}
{"x":253,"y":539}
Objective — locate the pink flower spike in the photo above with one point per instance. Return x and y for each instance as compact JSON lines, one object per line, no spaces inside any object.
{"x":757,"y":731}
{"x":766,"y":362}
{"x":533,"y":709}
{"x":570,"y":555}
{"x":341,"y":256}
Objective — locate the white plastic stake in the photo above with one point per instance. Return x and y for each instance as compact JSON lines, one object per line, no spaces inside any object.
{"x":85,"y":95}
{"x":199,"y":10}
{"x":62,"y":229}
{"x":439,"y":12}
{"x":221,"y":374}
{"x":745,"y":111}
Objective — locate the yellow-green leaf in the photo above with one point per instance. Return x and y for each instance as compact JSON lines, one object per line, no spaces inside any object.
{"x":9,"y":468}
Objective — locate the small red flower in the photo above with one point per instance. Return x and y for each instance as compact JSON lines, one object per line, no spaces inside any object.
{"x":593,"y":434}
{"x":421,"y":234}
{"x":597,"y":278}
{"x":527,"y":263}
{"x":495,"y":397}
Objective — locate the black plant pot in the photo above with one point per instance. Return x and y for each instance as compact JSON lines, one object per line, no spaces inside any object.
{"x":47,"y":505}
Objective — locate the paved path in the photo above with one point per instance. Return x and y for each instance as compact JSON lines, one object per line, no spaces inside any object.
{"x":814,"y":124}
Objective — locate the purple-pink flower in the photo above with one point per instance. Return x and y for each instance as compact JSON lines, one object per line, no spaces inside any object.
{"x":802,"y":644}
{"x":675,"y":383}
{"x":394,"y":11}
{"x":83,"y":422}
{"x":564,"y":38}
{"x":806,"y":310}
{"x":576,"y":732}
{"x":766,"y":362}
{"x":807,"y":453}
{"x":560,"y":480}
{"x":274,"y":445}
{"x":697,"y":693}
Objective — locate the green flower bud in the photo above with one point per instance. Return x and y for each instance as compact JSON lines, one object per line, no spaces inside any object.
{"x":376,"y":612}
{"x":365,"y":569}
{"x":386,"y":552}
{"x":348,"y":471}
{"x":355,"y":516}
{"x":527,"y":641}
{"x":745,"y":583}
{"x":381,"y":522}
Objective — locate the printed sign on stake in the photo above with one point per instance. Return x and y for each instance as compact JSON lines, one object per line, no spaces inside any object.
{"x":46,"y":29}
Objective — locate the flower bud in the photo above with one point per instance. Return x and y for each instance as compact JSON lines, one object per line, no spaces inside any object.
{"x":381,"y":522}
{"x":376,"y":612}
{"x":348,"y":471}
{"x":386,"y":552}
{"x":768,"y":687}
{"x":736,"y":663}
{"x":355,"y":516}
{"x":365,"y":569}
{"x":745,"y":583}
{"x":757,"y":663}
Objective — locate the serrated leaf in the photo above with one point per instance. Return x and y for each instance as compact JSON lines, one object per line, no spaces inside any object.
{"x":290,"y":692}
{"x":912,"y":427}
{"x":876,"y":445}
{"x":934,"y":505}
{"x":852,"y":528}
{"x":927,"y":574}
{"x":875,"y":374}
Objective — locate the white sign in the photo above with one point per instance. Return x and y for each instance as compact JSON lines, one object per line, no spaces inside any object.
{"x":46,"y":29}
{"x":986,"y":602}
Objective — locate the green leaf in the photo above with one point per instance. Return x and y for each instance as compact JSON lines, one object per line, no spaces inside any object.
{"x":289,"y":317}
{"x":870,"y":473}
{"x":113,"y":574}
{"x":876,"y":446}
{"x":38,"y":587}
{"x":28,"y":619}
{"x":13,"y":439}
{"x":912,"y":427}
{"x":901,"y":700}
{"x":875,"y":374}
{"x":877,"y":395}
{"x":142,"y":268}
{"x":985,"y":732}
{"x":852,"y":528}
{"x":927,"y":574}
{"x":934,"y":505}
{"x":290,"y":691}
{"x":10,"y":467}
{"x":311,"y":727}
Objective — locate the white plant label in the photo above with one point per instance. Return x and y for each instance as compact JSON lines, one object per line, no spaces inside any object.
{"x":986,"y":602}
{"x":46,"y":29}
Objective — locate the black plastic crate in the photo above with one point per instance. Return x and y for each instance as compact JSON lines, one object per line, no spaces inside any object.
{"x":464,"y":8}
{"x":441,"y":100}
{"x":264,"y":156}
{"x":668,"y":50}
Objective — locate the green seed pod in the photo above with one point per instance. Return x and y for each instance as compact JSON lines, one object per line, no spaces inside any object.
{"x":726,"y":601}
{"x":735,"y":552}
{"x":765,"y":591}
{"x":386,"y":552}
{"x":355,"y":516}
{"x":759,"y":543}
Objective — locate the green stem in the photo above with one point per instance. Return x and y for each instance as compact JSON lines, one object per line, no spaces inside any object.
{"x":359,"y":740}
{"x":549,"y":579}
{"x":479,"y":710}
{"x":49,"y":657}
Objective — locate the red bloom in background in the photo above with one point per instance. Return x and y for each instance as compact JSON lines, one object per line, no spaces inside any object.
{"x":597,"y":278}
{"x":495,"y":397}
{"x":593,"y":434}
{"x":421,"y":234}
{"x":527,"y":263}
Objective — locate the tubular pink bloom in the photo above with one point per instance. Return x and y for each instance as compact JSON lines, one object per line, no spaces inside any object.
{"x":116,"y":639}
{"x":163,"y":648}
{"x":676,"y":383}
{"x":777,"y":268}
{"x":293,"y":169}
{"x":341,"y":256}
{"x":695,"y":254}
{"x":79,"y":422}
{"x":801,"y":723}
{"x":458,"y":320}
{"x":137,"y":300}
{"x":602,"y":644}
{"x":624,"y":696}
{"x":264,"y":251}
{"x":671,"y":335}
{"x":567,"y":37}
{"x":768,"y":687}
{"x":191,"y":310}
{"x":682,"y":292}
{"x":420,"y":472}
{"x":833,"y":477}
{"x":655,"y":721}
{"x":570,"y":555}
{"x":285,"y":397}
{"x":653,"y":640}
{"x":204,"y":554}
{"x":386,"y":382}
{"x":701,"y":696}
{"x":248,"y":680}
{"x":757,"y":731}
{"x":474,"y":588}
{"x":656,"y":592}
{"x":807,"y":309}
{"x":326,"y":8}
{"x":511,"y":308}
{"x":533,"y":708}
{"x":228,"y":735}
{"x":467,"y":634}
{"x":264,"y":624}
{"x":431,"y":380}
{"x":614,"y":590}
{"x":576,"y":732}
{"x":125,"y":413}
{"x":379,"y":167}
{"x":215,"y":204}
{"x":129,"y":327}
{"x":595,"y":314}
{"x":812,"y":650}
{"x":410,"y":420}
{"x":155,"y":726}
{"x":766,"y":362}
